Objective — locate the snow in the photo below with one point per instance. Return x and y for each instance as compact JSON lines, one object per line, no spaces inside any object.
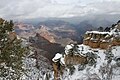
{"x":57,"y":56}
{"x":106,"y":40}
{"x":97,"y":71}
{"x":87,"y":38}
{"x":97,"y":32}
{"x":62,"y":61}
{"x":33,"y":73}
{"x":2,"y":40}
{"x":18,"y":37}
{"x":113,"y":32}
{"x":82,"y":49}
{"x":68,"y":47}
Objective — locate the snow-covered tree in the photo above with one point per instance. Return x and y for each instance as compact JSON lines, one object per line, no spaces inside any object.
{"x":11,"y":52}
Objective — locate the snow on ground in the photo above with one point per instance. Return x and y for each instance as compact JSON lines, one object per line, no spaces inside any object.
{"x":97,"y":32}
{"x":68,"y":47}
{"x":32,"y":73}
{"x":57,"y":56}
{"x":100,"y":71}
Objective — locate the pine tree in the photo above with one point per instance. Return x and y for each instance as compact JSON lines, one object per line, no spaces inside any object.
{"x":100,"y":29}
{"x":11,"y":52}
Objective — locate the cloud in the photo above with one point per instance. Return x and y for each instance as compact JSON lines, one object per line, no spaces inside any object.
{"x":106,"y":7}
{"x":22,"y":9}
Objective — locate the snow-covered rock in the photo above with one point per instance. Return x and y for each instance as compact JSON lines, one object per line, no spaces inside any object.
{"x":101,"y":70}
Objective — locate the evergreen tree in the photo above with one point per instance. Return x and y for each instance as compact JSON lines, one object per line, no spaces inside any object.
{"x":100,"y":29}
{"x":107,"y":29}
{"x":118,"y":22}
{"x":11,"y":52}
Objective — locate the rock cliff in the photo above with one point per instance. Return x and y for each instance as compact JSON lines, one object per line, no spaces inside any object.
{"x":95,"y":59}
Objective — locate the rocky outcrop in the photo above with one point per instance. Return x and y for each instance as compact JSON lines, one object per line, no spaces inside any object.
{"x":103,"y":40}
{"x":85,"y":53}
{"x":73,"y":55}
{"x":96,"y":39}
{"x":75,"y":59}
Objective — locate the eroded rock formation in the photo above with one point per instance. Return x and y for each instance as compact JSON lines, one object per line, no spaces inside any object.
{"x":86,"y":53}
{"x":103,"y":40}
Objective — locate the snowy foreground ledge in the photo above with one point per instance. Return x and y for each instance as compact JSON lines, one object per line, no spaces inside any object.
{"x":106,"y":67}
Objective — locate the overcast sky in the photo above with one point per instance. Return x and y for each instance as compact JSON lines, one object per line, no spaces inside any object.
{"x":26,"y":9}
